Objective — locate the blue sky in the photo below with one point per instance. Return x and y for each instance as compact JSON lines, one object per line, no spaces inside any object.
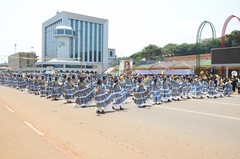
{"x":133,"y":24}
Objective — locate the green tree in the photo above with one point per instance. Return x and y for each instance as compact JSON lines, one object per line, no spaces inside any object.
{"x":151,"y":51}
{"x":182,"y":49}
{"x":154,"y":52}
{"x":192,"y":49}
{"x":234,"y":38}
{"x":169,"y":49}
{"x":216,"y":43}
{"x":137,"y":63}
{"x":136,"y":56}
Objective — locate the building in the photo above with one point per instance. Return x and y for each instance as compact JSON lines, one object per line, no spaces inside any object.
{"x":3,"y":67}
{"x":75,"y":37}
{"x":111,"y":57}
{"x":221,"y":61}
{"x":64,"y":66}
{"x":21,"y":60}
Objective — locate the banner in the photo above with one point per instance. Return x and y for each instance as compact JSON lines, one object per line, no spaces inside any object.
{"x":180,"y":72}
{"x":167,"y":72}
{"x":125,"y":67}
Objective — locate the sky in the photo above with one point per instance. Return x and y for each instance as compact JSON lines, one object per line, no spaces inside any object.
{"x":133,"y":24}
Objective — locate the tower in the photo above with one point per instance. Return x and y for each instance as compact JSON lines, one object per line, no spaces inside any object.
{"x":64,"y":35}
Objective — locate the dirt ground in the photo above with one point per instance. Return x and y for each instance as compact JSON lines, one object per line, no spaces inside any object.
{"x":80,"y":133}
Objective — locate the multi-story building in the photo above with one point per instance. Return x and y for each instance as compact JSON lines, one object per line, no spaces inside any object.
{"x":84,"y":39}
{"x":111,"y":57}
{"x":21,"y":60}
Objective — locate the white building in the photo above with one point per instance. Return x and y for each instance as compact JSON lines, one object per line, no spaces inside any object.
{"x":70,"y":36}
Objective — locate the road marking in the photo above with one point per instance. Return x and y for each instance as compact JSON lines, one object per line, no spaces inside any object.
{"x":218,"y":103}
{"x":9,"y":109}
{"x":37,"y":131}
{"x":209,"y":114}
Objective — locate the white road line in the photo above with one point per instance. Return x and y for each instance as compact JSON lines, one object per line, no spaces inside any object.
{"x":217,"y":103}
{"x":9,"y":109}
{"x":190,"y":111}
{"x":37,"y":131}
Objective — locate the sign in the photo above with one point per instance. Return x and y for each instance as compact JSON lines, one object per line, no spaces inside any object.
{"x":167,"y":72}
{"x":225,"y":56}
{"x":180,"y":72}
{"x":60,"y":44}
{"x":234,"y":73}
{"x":125,"y":67}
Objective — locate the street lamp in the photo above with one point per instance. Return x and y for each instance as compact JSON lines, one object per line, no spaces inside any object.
{"x":15,"y":51}
{"x":78,"y":46}
{"x":79,"y":58}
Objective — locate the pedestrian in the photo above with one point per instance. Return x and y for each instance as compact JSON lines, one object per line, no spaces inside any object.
{"x":84,"y":94}
{"x":102,"y":98}
{"x":156,"y":92}
{"x":119,"y":95}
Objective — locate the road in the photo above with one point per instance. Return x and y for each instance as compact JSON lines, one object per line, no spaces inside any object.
{"x":34,"y":127}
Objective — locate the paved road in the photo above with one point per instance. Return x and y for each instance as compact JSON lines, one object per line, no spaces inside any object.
{"x":34,"y":127}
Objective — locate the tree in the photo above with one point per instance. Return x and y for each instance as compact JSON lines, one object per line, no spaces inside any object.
{"x":182,"y":49}
{"x":169,"y":49}
{"x":234,"y":38}
{"x":216,"y":43}
{"x":154,"y":52}
{"x":192,"y":49}
{"x":151,"y":51}
{"x":136,"y":56}
{"x":137,"y":63}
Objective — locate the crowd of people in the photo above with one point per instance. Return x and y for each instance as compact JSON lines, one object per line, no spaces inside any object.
{"x":107,"y":90}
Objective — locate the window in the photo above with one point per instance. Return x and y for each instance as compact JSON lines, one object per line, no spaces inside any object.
{"x":95,"y":42}
{"x":68,"y":32}
{"x":60,"y":31}
{"x":81,"y":41}
{"x":72,"y":66}
{"x":55,"y":66}
{"x":71,"y":48}
{"x":86,"y":41}
{"x":91,"y":30}
{"x":89,"y":66}
{"x":39,"y":66}
{"x":95,"y":56}
{"x":111,"y":53}
{"x":100,"y":44}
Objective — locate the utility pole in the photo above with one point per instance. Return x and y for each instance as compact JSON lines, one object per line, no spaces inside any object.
{"x":15,"y":52}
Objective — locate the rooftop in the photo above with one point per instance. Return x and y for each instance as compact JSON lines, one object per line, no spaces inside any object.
{"x":64,"y":27}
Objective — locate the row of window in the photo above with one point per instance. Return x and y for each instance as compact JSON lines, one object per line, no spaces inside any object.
{"x":64,"y":31}
{"x":50,"y":43}
{"x":91,"y":35}
{"x":62,"y":66}
{"x":20,"y":62}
